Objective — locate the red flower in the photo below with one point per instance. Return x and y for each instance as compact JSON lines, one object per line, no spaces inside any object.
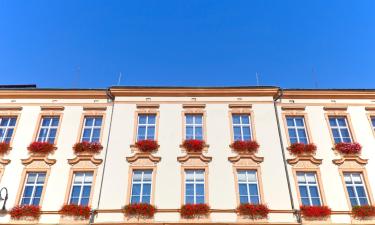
{"x":363,"y":212}
{"x":24,"y":211}
{"x":4,"y":148}
{"x":243,"y":146}
{"x":315,"y":212}
{"x":301,"y":148}
{"x":44,"y":148}
{"x":78,"y":211}
{"x":193,"y":145}
{"x":194,"y":210}
{"x":87,"y":147}
{"x":348,"y":148}
{"x":254,"y":211}
{"x":147,"y":145}
{"x":143,"y":210}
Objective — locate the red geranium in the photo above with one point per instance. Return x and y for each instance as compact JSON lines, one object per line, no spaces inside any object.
{"x":301,"y":148}
{"x":87,"y":147}
{"x":4,"y":148}
{"x":363,"y":212}
{"x":348,"y":148}
{"x":147,"y":145}
{"x":315,"y":212}
{"x":189,"y":211}
{"x":254,"y":211}
{"x":245,"y":146}
{"x":193,"y":145}
{"x":138,"y":210}
{"x":44,"y":148}
{"x":25,"y":211}
{"x":78,"y":211}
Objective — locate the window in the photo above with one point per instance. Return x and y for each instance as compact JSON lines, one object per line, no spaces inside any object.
{"x":81,"y":188}
{"x":308,"y":188}
{"x":194,"y":186}
{"x":7,"y":125}
{"x":356,"y":189}
{"x":146,"y":127}
{"x":241,"y":127}
{"x":248,"y":186}
{"x":373,"y":122}
{"x":340,"y":129}
{"x":33,"y":188}
{"x":91,"y":128}
{"x":141,"y":186}
{"x":297,"y":129}
{"x":194,"y":126}
{"x":48,"y":129}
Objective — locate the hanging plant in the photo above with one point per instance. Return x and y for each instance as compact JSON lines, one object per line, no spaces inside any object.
{"x":43,"y":148}
{"x":348,"y":148}
{"x":147,"y":145}
{"x":253,"y":211}
{"x":190,"y":211}
{"x":87,"y":147}
{"x":193,"y":145}
{"x":315,"y":212}
{"x":25,"y":212}
{"x":77,"y":211}
{"x":298,"y":149}
{"x":245,"y":146}
{"x":140,"y":210}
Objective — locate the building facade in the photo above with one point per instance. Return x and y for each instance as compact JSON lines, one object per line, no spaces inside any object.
{"x":260,"y":146}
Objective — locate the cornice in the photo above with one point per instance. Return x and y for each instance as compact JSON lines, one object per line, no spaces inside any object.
{"x":328,"y":94}
{"x":53,"y":94}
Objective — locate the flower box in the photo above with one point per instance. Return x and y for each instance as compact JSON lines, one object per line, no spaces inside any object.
{"x":245,"y":146}
{"x":87,"y":147}
{"x":298,"y":149}
{"x":193,"y":145}
{"x":147,"y":145}
{"x":4,"y":148}
{"x":25,"y":212}
{"x":364,"y":212}
{"x":42,"y":148}
{"x":253,"y":211}
{"x":315,"y":212}
{"x":140,"y":210}
{"x":190,"y":211}
{"x":76,"y":211}
{"x":348,"y":148}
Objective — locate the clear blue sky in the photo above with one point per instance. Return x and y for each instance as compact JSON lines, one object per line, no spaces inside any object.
{"x":188,"y":42}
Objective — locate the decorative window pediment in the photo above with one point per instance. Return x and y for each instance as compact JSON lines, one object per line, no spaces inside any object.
{"x":85,"y":161}
{"x":38,"y":162}
{"x":194,"y":160}
{"x":350,"y":162}
{"x":143,"y":159}
{"x":305,"y":162}
{"x":250,"y":160}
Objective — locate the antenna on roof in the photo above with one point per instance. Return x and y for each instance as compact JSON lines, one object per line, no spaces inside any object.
{"x":119,"y":79}
{"x":256,"y":76}
{"x":314,"y":78}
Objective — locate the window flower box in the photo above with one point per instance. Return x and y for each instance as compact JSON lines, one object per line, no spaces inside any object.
{"x":191,"y":211}
{"x":27,"y":212}
{"x":245,"y":146}
{"x":315,"y":212}
{"x":298,"y":149}
{"x":253,"y":211}
{"x":364,"y":212}
{"x":76,"y":211}
{"x":87,"y":147}
{"x":348,"y":148}
{"x":139,"y":210}
{"x":41,"y":148}
{"x":193,"y":145}
{"x":4,"y":148}
{"x":147,"y":145}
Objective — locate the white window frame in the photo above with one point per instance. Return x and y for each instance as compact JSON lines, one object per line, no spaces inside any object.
{"x":356,"y":185}
{"x":92,"y":127}
{"x":81,"y":185}
{"x":141,"y":182}
{"x":241,"y":125}
{"x":34,"y":186}
{"x":194,"y":125}
{"x":48,"y":127}
{"x":308,"y":185}
{"x":339,"y":127}
{"x":7,"y":127}
{"x":295,"y":127}
{"x":247,"y":182}
{"x":147,"y":125}
{"x":194,"y":183}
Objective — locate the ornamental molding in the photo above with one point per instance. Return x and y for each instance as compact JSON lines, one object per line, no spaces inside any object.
{"x":245,"y":157}
{"x":38,"y":161}
{"x":350,"y":162}
{"x":143,"y":159}
{"x":194,"y":159}
{"x":4,"y":162}
{"x":305,"y":161}
{"x":85,"y":160}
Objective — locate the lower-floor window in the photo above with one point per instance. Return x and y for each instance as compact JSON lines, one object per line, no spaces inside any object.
{"x":194,"y":186}
{"x":308,"y":188}
{"x":141,"y":186}
{"x":81,"y":188}
{"x":356,"y":189}
{"x":248,"y":186}
{"x":33,"y":188}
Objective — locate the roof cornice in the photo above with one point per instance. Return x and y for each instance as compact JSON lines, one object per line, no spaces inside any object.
{"x":52,"y":94}
{"x":329,"y":94}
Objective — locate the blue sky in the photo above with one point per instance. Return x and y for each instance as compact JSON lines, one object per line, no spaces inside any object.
{"x":86,"y":44}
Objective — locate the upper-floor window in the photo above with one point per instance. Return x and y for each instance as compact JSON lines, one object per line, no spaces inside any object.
{"x":297,"y":129}
{"x":241,"y":127}
{"x":248,"y":186}
{"x":373,"y":122}
{"x":356,"y":189}
{"x":7,"y":126}
{"x":194,"y":186}
{"x":81,"y":188}
{"x":308,"y":188}
{"x":33,"y":188}
{"x":91,"y":128}
{"x":146,"y":127}
{"x":194,"y":126}
{"x":141,"y":186}
{"x":340,"y":129}
{"x":48,"y":129}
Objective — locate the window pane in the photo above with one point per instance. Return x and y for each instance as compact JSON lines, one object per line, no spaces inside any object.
{"x":146,"y":189}
{"x":200,"y":199}
{"x":189,"y":189}
{"x":254,"y":199}
{"x":341,"y":121}
{"x":361,"y":191}
{"x":303,"y":192}
{"x":236,"y":119}
{"x":135,"y":199}
{"x":253,"y":189}
{"x":189,"y":200}
{"x":316,"y":201}
{"x":151,"y":119}
{"x":142,"y":119}
{"x":299,"y":122}
{"x":314,"y":191}
{"x":198,"y":119}
{"x":332,"y":122}
{"x":200,"y":189}
{"x":245,"y":120}
{"x":98,"y":121}
{"x":244,"y":199}
{"x":290,"y":121}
